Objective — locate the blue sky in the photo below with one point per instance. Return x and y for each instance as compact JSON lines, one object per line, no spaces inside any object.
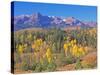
{"x":84,"y":13}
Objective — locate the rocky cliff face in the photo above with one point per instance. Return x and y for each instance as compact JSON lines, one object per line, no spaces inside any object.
{"x":39,"y":20}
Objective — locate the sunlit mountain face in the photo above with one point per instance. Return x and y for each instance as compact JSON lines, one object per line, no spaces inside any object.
{"x":44,"y":21}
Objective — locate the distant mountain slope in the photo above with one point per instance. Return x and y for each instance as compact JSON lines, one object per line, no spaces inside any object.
{"x":39,"y":20}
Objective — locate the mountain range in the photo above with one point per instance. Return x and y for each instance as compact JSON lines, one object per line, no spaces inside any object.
{"x":42,"y":21}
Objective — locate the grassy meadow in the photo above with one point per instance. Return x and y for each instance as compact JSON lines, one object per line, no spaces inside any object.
{"x":48,"y":50}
